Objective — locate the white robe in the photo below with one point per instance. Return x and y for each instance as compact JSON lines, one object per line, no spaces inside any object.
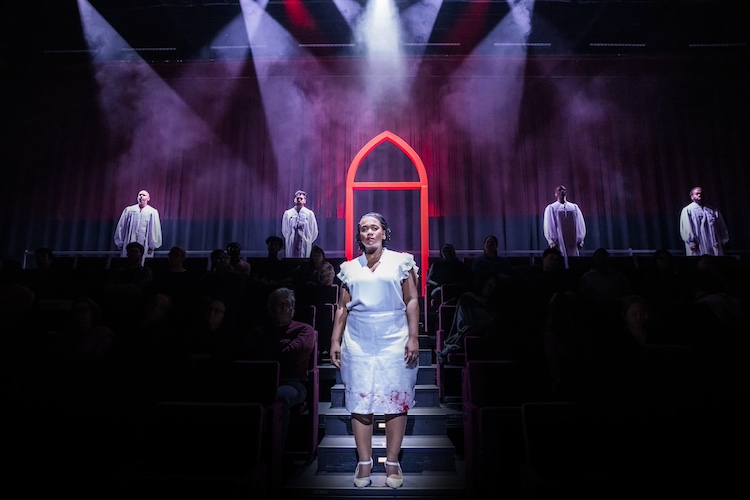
{"x":704,"y":227}
{"x":564,"y":228}
{"x":139,"y":225}
{"x":302,"y":225}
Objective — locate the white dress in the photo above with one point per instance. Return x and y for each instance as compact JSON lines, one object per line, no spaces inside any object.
{"x":377,"y":380}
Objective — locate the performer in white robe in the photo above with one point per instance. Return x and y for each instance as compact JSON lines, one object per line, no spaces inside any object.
{"x":564,"y":226}
{"x":702,"y":228}
{"x":140,"y":223}
{"x":299,"y":227}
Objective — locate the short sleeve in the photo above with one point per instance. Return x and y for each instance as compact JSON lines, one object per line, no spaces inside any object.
{"x":407,"y":264}
{"x":343,"y":274}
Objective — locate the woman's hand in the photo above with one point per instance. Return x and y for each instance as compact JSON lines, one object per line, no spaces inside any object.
{"x":411,"y":351}
{"x":335,"y":354}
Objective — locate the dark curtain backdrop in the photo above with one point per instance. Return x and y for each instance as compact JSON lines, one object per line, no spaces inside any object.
{"x":222,"y":146}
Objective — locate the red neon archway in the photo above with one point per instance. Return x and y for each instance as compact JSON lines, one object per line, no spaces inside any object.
{"x":421,"y":186}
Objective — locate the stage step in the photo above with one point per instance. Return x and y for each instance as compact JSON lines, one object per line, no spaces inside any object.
{"x":314,"y":484}
{"x":418,"y":454}
{"x":432,"y":464}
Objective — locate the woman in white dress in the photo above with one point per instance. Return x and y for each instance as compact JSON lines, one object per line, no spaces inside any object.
{"x":375,"y":343}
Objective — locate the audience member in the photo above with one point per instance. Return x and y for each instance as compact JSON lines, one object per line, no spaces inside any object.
{"x":665,"y":290}
{"x":289,"y":342}
{"x":216,"y":336}
{"x":126,"y":287}
{"x":635,"y":318}
{"x":16,"y":298}
{"x":236,"y":262}
{"x":43,"y":258}
{"x":222,"y":280}
{"x":324,"y":273}
{"x":271,"y":272}
{"x":179,"y":284}
{"x":149,"y":337}
{"x":710,"y":288}
{"x":491,"y":264}
{"x":16,"y":306}
{"x":477,"y":314}
{"x":602,"y":287}
{"x":134,"y":278}
{"x":47,"y":280}
{"x":449,"y":269}
{"x":313,"y":284}
{"x":85,"y":338}
{"x":545,"y":280}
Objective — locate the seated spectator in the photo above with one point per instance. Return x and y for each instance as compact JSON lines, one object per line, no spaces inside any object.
{"x":476,"y":315}
{"x":215,"y":337}
{"x":236,"y":262}
{"x":126,"y":287}
{"x":221,"y":280}
{"x":149,"y":337}
{"x":134,"y":278}
{"x":289,"y":342}
{"x":551,"y":277}
{"x":665,"y":290}
{"x":272,"y":270}
{"x":602,"y":287}
{"x":711,"y":289}
{"x":85,"y":338}
{"x":448,"y":270}
{"x":179,"y":284}
{"x":314,"y":279}
{"x":315,"y":271}
{"x":491,"y":264}
{"x":47,"y":280}
{"x":636,"y":316}
{"x":16,"y":301}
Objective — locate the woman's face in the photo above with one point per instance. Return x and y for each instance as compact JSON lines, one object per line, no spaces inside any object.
{"x":636,"y":315}
{"x":448,"y":252}
{"x":317,"y":256}
{"x":371,"y":233}
{"x":490,"y":246}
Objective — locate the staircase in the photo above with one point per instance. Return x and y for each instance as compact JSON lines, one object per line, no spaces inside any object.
{"x":432,"y":450}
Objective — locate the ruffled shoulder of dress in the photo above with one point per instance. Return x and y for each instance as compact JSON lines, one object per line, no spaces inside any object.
{"x":406,"y":264}
{"x":345,"y":269}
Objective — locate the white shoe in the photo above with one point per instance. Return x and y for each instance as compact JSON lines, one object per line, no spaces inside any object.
{"x":395,"y":480}
{"x":361,"y":482}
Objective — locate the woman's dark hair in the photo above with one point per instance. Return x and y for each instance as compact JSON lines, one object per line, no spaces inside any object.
{"x":316,"y":248}
{"x":383,"y":224}
{"x":445,"y":246}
